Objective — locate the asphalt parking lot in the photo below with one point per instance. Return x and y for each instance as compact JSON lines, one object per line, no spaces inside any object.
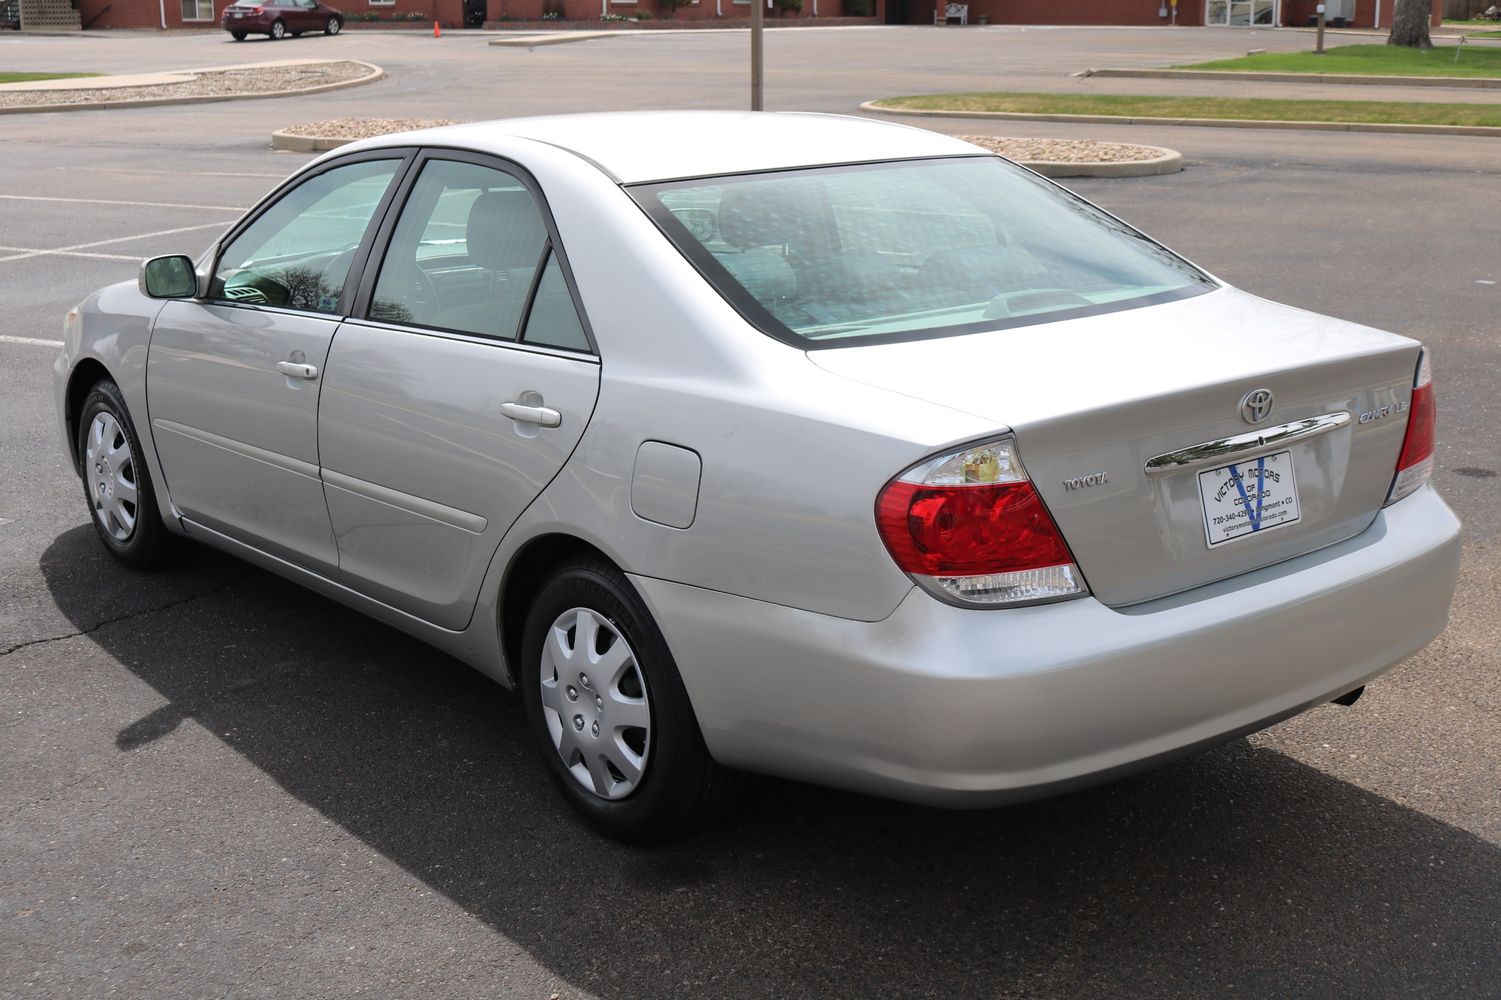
{"x":217,"y":784}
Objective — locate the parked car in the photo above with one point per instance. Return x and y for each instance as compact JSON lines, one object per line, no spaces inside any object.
{"x":796,"y":444}
{"x":280,"y":18}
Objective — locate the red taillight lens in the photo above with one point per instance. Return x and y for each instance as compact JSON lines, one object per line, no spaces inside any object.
{"x":970,"y":527}
{"x":1415,"y":464}
{"x":968,"y":530}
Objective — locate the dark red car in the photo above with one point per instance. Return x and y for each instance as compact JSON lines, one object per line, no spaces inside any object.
{"x":280,"y":18}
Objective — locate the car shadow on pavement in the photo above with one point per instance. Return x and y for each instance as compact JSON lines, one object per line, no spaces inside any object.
{"x":1237,"y":873}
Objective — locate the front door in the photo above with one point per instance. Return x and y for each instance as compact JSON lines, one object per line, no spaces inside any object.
{"x":459,"y":396}
{"x":233,"y":379}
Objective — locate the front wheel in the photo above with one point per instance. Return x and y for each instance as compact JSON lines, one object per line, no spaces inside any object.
{"x":608,"y":710}
{"x":238,"y":36}
{"x":278,"y":31}
{"x":333,"y":27}
{"x":117,"y":484}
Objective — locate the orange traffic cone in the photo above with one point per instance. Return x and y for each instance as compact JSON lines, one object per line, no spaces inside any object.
{"x":437,"y":32}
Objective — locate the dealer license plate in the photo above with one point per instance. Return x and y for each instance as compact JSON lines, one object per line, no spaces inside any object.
{"x":1250,"y":497}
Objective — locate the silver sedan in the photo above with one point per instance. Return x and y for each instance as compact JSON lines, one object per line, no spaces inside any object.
{"x":795,"y":444}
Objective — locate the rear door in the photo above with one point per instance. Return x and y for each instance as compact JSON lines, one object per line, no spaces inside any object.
{"x":233,"y":379}
{"x":461,"y":391}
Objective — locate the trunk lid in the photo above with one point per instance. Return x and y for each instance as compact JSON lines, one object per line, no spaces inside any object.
{"x":1091,"y":401}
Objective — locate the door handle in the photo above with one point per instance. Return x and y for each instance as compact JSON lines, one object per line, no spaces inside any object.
{"x":542,"y":415}
{"x":294,"y":369}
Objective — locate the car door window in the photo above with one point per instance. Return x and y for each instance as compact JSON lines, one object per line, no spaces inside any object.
{"x":553,"y":321}
{"x":298,"y":252}
{"x":464,"y":252}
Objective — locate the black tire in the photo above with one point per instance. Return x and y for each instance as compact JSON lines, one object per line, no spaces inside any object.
{"x":238,"y":36}
{"x":681,"y":788}
{"x":147,"y":544}
{"x":296,"y":34}
{"x":278,"y":31}
{"x":333,"y":27}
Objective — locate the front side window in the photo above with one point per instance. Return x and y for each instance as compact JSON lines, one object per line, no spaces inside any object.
{"x":889,"y":251}
{"x":464,"y":253}
{"x":298,"y":252}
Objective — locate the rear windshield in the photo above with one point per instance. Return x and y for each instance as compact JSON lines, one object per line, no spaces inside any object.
{"x":917,"y":248}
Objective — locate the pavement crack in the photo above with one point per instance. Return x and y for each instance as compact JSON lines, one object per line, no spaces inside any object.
{"x":142,"y":613}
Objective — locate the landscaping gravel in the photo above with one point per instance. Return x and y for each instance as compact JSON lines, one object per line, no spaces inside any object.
{"x":363,"y":128}
{"x":1063,"y":150}
{"x":215,"y":83}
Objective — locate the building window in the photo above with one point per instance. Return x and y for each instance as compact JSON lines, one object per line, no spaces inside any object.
{"x":197,"y":10}
{"x":383,"y":3}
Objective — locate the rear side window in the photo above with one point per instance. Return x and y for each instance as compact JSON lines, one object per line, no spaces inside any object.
{"x":890,"y":251}
{"x":464,"y":254}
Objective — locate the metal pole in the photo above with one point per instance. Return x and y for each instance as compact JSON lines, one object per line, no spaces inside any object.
{"x":758,"y":19}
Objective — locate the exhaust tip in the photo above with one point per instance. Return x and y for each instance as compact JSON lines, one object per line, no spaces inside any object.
{"x":1349,"y":697}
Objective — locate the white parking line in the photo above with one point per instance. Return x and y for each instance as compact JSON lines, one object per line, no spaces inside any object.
{"x":110,"y":201}
{"x":21,"y":253}
{"x":30,"y":341}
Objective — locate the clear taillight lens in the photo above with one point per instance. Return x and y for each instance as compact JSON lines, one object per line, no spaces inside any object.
{"x":1415,"y":465}
{"x":969,"y":527}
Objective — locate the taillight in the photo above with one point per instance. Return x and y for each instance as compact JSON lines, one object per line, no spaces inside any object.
{"x":969,"y":527}
{"x":1415,"y":464}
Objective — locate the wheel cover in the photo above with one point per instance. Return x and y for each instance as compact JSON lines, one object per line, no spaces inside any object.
{"x":333,"y":26}
{"x":277,"y":30}
{"x":110,"y":470}
{"x":595,"y":703}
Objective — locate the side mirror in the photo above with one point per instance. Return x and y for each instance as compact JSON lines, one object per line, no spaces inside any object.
{"x":170,"y":277}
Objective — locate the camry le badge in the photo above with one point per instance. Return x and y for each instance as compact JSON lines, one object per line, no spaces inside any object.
{"x":1256,"y":405}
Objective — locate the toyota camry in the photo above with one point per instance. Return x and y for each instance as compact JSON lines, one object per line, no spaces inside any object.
{"x":782,"y":443}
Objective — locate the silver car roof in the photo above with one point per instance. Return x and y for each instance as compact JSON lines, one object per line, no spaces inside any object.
{"x":639,"y":146}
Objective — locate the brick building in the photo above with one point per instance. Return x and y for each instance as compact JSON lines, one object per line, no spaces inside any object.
{"x":456,"y":13}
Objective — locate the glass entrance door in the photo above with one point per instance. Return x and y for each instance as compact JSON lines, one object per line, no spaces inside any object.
{"x":1240,"y":13}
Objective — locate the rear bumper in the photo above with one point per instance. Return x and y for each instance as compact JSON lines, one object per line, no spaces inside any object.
{"x":948,"y":706}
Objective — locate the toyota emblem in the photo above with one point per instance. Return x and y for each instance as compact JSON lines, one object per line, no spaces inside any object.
{"x":1256,"y":406}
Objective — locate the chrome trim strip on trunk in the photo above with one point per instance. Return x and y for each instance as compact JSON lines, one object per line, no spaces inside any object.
{"x":1228,"y":449}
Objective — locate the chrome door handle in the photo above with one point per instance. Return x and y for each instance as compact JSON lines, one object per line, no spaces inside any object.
{"x":542,"y":415}
{"x":293,"y":369}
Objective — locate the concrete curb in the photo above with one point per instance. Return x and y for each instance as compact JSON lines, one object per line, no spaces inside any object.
{"x":376,"y":73}
{"x":282,"y":139}
{"x":1487,"y":130}
{"x":1474,"y":83}
{"x":531,"y":41}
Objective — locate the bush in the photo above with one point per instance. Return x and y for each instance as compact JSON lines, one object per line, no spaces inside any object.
{"x":670,"y":7}
{"x":552,"y":10}
{"x":859,"y":8}
{"x":793,"y":6}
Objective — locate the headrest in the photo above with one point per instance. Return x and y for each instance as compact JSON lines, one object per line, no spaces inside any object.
{"x":758,"y":215}
{"x":504,"y":230}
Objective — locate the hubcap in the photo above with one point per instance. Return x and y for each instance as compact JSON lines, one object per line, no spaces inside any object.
{"x":594,"y":701}
{"x":111,"y":472}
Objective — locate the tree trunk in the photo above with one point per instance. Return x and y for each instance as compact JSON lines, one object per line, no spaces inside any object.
{"x":1410,"y":24}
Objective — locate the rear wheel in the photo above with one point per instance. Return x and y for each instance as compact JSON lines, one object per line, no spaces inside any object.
{"x":117,"y":484}
{"x":278,"y":31}
{"x":296,"y":34}
{"x":238,"y":36}
{"x":609,"y":712}
{"x":333,"y":27}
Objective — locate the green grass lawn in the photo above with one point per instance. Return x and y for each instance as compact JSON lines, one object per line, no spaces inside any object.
{"x":1485,"y":34}
{"x":6,"y":77}
{"x":1376,"y":60}
{"x":1208,"y":107}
